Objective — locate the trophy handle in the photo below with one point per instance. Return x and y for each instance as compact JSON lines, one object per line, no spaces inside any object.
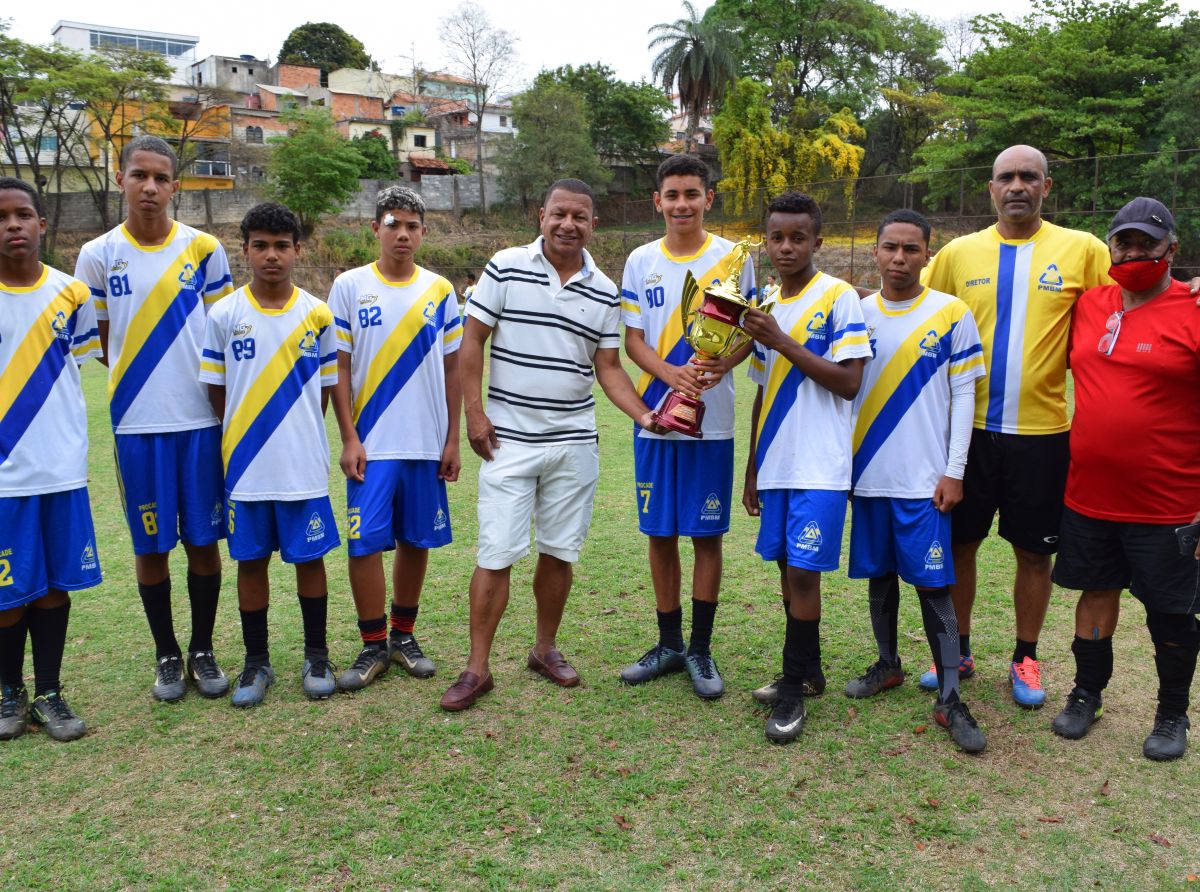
{"x":691,"y":293}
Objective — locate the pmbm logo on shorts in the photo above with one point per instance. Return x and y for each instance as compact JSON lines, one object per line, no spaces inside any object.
{"x":316,"y":527}
{"x":87,"y":560}
{"x":712,"y":508}
{"x":810,"y":537}
{"x":215,"y":517}
{"x":439,"y":520}
{"x":935,"y":558}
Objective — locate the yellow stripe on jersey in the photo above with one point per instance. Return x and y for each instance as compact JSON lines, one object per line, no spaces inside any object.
{"x":269,"y":379}
{"x":398,"y":342}
{"x":672,"y":332}
{"x":902,"y":362}
{"x":780,"y":367}
{"x":32,"y":349}
{"x":155,"y":306}
{"x":215,"y":368}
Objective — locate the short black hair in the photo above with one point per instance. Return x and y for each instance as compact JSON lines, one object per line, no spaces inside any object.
{"x":398,"y":198}
{"x":272,"y":217}
{"x":683,"y":166}
{"x":146,"y":143}
{"x":570,"y":184}
{"x":796,"y":203}
{"x":22,"y":186}
{"x":904,"y":215}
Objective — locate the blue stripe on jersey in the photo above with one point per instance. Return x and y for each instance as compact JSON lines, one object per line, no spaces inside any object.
{"x":271,"y":416}
{"x":629,"y":294}
{"x":395,"y":379}
{"x":680,"y":354}
{"x":900,"y":402}
{"x":156,"y":346}
{"x":998,"y":367}
{"x":85,"y":337}
{"x":226,"y":279}
{"x":785,"y":398}
{"x":332,"y":357}
{"x":970,"y":351}
{"x":342,"y":323}
{"x":212,"y":354}
{"x":32,"y":396}
{"x":98,"y":292}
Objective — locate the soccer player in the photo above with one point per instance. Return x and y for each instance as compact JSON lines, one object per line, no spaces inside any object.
{"x":808,"y":365}
{"x":552,"y":317}
{"x":153,"y":280}
{"x":47,"y":545}
{"x":912,"y":428}
{"x":683,"y":485}
{"x":397,"y":404}
{"x":270,"y":360}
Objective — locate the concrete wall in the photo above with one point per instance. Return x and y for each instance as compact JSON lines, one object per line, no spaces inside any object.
{"x":200,"y":208}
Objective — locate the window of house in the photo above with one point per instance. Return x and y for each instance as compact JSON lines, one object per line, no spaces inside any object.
{"x":250,"y":70}
{"x":254,"y":135}
{"x":234,"y":69}
{"x":419,"y":140}
{"x":503,"y":120}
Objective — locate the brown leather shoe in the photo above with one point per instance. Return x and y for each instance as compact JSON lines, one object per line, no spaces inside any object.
{"x":555,"y":667}
{"x":464,"y":692}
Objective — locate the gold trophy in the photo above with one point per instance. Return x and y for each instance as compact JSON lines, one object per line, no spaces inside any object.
{"x":711,"y":327}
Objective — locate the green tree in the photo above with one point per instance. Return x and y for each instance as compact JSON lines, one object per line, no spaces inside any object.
{"x":314,"y":169}
{"x":697,"y":57}
{"x":552,"y":142}
{"x":760,"y":159}
{"x":326,"y":46}
{"x":626,"y":119}
{"x":378,"y":163}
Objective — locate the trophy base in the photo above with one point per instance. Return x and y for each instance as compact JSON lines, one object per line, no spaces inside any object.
{"x":681,"y":414}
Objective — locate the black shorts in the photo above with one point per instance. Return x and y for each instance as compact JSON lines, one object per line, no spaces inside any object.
{"x":1024,"y":477}
{"x":1101,"y":555}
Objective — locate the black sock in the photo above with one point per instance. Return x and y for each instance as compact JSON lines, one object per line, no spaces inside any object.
{"x":314,"y":612}
{"x":1176,"y":643}
{"x":254,"y":636}
{"x":404,"y":619}
{"x":156,"y":599}
{"x":373,"y":631}
{"x":670,"y":628}
{"x":48,"y":638}
{"x":203,"y":593}
{"x":1093,"y":663}
{"x":703,"y":614}
{"x":12,"y":652}
{"x":941,"y":631}
{"x":964,"y":644}
{"x":884,"y":595}
{"x":801,"y":654}
{"x":1024,"y":649}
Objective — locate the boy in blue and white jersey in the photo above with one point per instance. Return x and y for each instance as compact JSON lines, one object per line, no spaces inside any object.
{"x":270,"y":360}
{"x":47,"y":545}
{"x":913,"y":420}
{"x":397,"y":403}
{"x":683,"y":485}
{"x":807,"y":362}
{"x":153,"y":280}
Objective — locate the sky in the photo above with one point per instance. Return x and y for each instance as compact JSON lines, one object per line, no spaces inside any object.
{"x":548,"y":34}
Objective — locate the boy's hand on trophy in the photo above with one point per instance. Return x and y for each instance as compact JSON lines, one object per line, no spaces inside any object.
{"x":763,"y":328}
{"x":686,"y":379}
{"x":711,"y":370}
{"x":647,"y":423}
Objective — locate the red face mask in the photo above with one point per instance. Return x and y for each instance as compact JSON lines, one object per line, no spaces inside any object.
{"x":1139,"y":275}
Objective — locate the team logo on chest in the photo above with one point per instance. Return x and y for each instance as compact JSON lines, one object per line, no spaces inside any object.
{"x":653,"y":279}
{"x":365,"y":300}
{"x":61,"y":326}
{"x":816,"y":326}
{"x":119,"y":266}
{"x":242,"y":329}
{"x":188,"y":277}
{"x":810,"y":537}
{"x":931,"y":344}
{"x":430,"y":313}
{"x":308,"y":343}
{"x":1051,"y":279}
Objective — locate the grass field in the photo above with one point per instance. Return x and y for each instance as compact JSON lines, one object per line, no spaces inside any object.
{"x":600,"y":787}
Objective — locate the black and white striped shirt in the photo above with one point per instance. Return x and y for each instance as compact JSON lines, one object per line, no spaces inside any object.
{"x":544,"y":344}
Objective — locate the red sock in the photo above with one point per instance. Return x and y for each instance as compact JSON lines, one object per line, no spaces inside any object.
{"x":404,"y":619}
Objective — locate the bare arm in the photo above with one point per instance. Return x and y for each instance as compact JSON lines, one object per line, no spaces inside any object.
{"x":354,"y":457}
{"x":480,"y":433}
{"x":684,"y":378}
{"x":620,"y":390}
{"x":216,"y":396}
{"x":841,"y":378}
{"x":102,"y":325}
{"x":325,"y":399}
{"x":750,"y":488}
{"x":451,"y":452}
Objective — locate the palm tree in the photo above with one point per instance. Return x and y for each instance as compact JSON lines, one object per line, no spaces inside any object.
{"x":699,"y":53}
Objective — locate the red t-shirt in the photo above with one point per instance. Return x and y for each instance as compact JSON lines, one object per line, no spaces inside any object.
{"x":1135,"y":438}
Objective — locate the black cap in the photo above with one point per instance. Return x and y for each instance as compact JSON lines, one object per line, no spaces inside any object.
{"x":1148,"y":215}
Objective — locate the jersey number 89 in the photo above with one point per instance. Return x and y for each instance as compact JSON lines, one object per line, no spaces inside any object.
{"x":243,"y":349}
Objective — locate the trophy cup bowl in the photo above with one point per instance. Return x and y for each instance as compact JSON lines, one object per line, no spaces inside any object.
{"x":712,"y":328}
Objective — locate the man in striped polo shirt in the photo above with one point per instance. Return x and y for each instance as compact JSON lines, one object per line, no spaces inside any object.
{"x":553,"y":319}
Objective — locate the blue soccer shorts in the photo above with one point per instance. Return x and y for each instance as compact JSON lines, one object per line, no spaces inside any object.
{"x":683,"y":487}
{"x":399,"y":500}
{"x":909,"y":537}
{"x":46,"y":542}
{"x":802,"y":527}
{"x":300,"y":531}
{"x":172,"y":487}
